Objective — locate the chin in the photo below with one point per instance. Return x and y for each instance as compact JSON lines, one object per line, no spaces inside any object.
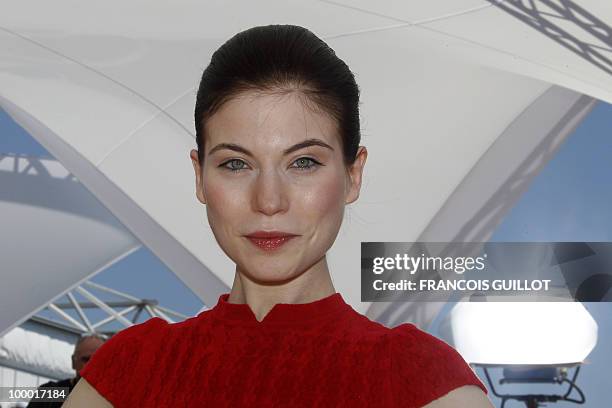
{"x":275,"y":277}
{"x":262,"y":275}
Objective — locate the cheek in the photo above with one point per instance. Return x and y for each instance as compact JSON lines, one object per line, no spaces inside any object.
{"x":325,"y":198}
{"x":225,"y":202}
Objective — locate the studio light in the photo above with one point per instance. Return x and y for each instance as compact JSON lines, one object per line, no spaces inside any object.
{"x":531,"y":342}
{"x":523,"y":332}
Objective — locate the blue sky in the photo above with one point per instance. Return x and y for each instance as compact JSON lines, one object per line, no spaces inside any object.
{"x":570,"y":200}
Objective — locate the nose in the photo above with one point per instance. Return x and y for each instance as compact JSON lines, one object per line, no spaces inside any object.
{"x":270,"y":196}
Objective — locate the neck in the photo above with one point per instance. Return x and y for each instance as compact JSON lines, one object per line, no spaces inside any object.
{"x":311,"y":285}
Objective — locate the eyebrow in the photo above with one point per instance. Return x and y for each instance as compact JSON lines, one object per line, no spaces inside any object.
{"x":301,"y":145}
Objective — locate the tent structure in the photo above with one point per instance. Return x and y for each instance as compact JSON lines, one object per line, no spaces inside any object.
{"x":40,"y":348}
{"x":53,"y":232}
{"x":463,"y":103}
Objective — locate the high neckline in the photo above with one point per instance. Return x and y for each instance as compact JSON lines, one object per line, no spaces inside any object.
{"x":282,"y":313}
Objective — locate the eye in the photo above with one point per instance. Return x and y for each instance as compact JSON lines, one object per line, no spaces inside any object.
{"x":235,"y":165}
{"x":303,"y":163}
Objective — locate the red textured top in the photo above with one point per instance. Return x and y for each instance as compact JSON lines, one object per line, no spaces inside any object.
{"x":318,"y":354}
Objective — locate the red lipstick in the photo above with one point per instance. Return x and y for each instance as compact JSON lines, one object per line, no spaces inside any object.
{"x":269,"y":240}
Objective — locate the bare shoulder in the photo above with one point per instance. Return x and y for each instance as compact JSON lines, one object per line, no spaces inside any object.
{"x":466,"y":396}
{"x":84,"y":395}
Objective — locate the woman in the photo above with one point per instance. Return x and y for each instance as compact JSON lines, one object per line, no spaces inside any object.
{"x":278,"y":158}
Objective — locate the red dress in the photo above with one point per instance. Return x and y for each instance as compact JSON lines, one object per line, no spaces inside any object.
{"x":318,"y":354}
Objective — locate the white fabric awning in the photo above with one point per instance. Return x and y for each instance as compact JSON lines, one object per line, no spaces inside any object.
{"x":37,"y":352}
{"x":463,"y":103}
{"x":54,"y":234}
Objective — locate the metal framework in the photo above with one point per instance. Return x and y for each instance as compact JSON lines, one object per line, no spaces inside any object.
{"x":126,"y":311}
{"x":537,"y":400}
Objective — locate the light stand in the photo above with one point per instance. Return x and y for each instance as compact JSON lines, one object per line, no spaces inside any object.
{"x":532,"y":374}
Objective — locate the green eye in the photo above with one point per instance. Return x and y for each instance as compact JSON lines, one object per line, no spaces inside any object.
{"x":303,"y":163}
{"x":232,"y":168}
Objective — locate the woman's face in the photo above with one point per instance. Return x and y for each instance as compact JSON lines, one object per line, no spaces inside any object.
{"x":273,"y":164}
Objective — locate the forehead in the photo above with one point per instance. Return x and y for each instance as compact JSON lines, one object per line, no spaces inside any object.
{"x":270,"y":121}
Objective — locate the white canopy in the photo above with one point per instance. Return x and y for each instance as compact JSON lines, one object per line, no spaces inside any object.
{"x":463,"y":103}
{"x":54,"y":235}
{"x":38,"y":352}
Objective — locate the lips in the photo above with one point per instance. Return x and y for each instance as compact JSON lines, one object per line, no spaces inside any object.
{"x":269,"y":240}
{"x":270,"y":234}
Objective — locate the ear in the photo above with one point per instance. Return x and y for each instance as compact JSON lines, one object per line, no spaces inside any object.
{"x":198,"y":175}
{"x":355,"y":173}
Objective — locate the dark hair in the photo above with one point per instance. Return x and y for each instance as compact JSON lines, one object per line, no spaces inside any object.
{"x":280,"y":59}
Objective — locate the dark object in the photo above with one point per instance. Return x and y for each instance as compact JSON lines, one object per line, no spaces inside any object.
{"x":519,"y":374}
{"x":62,"y":383}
